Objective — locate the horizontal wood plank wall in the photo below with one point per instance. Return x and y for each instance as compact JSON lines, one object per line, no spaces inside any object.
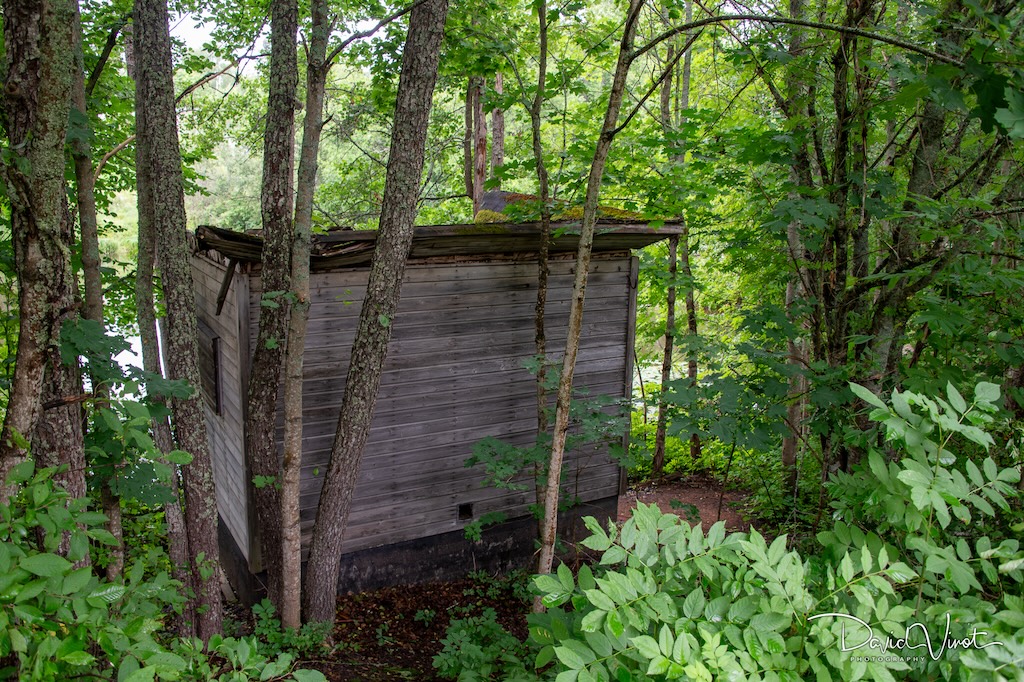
{"x":225,"y":429}
{"x":454,"y":375}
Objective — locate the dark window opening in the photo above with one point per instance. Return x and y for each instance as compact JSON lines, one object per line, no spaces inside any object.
{"x":465,"y":511}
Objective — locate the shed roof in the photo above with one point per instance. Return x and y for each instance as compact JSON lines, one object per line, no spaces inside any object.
{"x":352,"y":248}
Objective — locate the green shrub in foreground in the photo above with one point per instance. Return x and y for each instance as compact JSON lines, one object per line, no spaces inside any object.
{"x":668,"y":601}
{"x":60,"y":621}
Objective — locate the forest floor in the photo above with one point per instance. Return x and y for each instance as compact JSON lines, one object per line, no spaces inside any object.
{"x":394,"y":633}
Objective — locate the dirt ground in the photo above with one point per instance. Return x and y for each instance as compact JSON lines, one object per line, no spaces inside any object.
{"x":394,"y":633}
{"x":691,"y":498}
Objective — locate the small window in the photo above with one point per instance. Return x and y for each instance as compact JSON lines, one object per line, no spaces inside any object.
{"x":209,"y":367}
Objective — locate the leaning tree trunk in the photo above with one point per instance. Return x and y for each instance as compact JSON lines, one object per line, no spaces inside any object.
{"x":268,"y":355}
{"x":291,"y":548}
{"x":369,"y":349}
{"x":586,"y":245}
{"x":157,"y":146}
{"x":38,"y":65}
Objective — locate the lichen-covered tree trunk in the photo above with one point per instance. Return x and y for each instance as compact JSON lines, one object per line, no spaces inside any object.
{"x":586,"y":246}
{"x":177,"y":532}
{"x":291,"y":468}
{"x":268,"y":354}
{"x":369,"y":349}
{"x":159,"y":153}
{"x":58,"y":437}
{"x":38,"y":65}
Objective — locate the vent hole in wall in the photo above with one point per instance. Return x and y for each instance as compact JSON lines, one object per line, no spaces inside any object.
{"x":465,"y":511}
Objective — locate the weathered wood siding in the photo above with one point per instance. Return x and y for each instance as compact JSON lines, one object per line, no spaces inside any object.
{"x":230,"y":328}
{"x":454,"y":375}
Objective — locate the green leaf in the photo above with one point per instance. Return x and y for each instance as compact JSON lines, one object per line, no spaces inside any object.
{"x":304,"y":675}
{"x":647,"y":647}
{"x":384,"y":320}
{"x":107,"y":593}
{"x":955,"y":399}
{"x":47,"y":565}
{"x":1012,"y":117}
{"x":867,"y":396}
{"x":21,"y":472}
{"x":179,"y":457}
{"x":78,"y":658}
{"x":985,"y":392}
{"x":600,"y":600}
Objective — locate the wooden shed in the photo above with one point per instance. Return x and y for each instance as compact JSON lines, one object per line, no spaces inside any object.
{"x":454,"y":375}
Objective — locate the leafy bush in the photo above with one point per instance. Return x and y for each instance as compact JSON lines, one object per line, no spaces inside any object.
{"x":669,"y":601}
{"x":478,"y":648}
{"x":309,"y":640}
{"x":59,"y":620}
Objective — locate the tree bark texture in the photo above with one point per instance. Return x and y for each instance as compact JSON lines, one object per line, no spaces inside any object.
{"x":586,"y":246}
{"x":58,"y":437}
{"x":157,"y":146}
{"x":543,"y":253}
{"x":38,"y":67}
{"x":479,"y":145}
{"x":275,"y":278}
{"x":177,"y":531}
{"x":661,"y":431}
{"x":291,"y":468}
{"x":497,"y":131}
{"x":369,"y":349}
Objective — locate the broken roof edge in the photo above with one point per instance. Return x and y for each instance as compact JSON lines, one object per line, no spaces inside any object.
{"x":349,"y":248}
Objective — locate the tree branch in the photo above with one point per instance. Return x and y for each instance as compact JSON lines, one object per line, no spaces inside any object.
{"x":835,"y":28}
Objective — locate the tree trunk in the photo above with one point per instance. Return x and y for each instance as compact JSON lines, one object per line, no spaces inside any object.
{"x":38,"y":67}
{"x":58,"y":438}
{"x":660,"y":433}
{"x":291,"y":469}
{"x":468,"y":141}
{"x":85,"y":194}
{"x":369,"y":349}
{"x":543,"y":252}
{"x":586,"y":245}
{"x":177,"y":533}
{"x":160,"y":157}
{"x":479,"y":145}
{"x":677,"y":259}
{"x":497,"y":131}
{"x":268,"y":354}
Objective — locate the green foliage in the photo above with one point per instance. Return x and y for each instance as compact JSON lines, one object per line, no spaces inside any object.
{"x":230,"y":659}
{"x":669,"y":601}
{"x":478,"y":648}
{"x":310,"y":640}
{"x":56,"y":618}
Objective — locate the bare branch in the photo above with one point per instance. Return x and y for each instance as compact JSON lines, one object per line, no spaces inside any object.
{"x":759,"y":18}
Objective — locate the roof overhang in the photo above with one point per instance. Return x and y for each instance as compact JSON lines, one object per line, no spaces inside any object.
{"x":354,"y":248}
